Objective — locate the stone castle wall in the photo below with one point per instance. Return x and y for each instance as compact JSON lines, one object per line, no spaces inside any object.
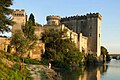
{"x":4,"y":42}
{"x":84,"y":30}
{"x":89,"y":26}
{"x":79,"y":40}
{"x":20,"y":19}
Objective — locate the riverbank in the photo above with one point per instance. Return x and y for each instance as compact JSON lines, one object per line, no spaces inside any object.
{"x":10,"y":69}
{"x":42,"y":72}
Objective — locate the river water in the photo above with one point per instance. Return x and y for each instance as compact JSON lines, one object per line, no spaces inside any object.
{"x":108,"y":71}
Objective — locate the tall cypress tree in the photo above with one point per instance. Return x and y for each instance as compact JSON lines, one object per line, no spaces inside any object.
{"x":32,"y":19}
{"x":5,"y":18}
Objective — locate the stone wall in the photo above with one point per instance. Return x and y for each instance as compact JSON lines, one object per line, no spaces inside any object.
{"x":89,"y":26}
{"x":79,"y":40}
{"x":4,"y":42}
{"x":37,"y":52}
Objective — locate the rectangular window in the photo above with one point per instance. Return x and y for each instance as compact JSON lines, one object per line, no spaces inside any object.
{"x":90,"y":34}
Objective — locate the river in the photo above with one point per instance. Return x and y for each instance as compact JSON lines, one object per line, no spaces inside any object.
{"x":109,"y":71}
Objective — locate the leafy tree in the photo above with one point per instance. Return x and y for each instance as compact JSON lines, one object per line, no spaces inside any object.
{"x":32,"y":19}
{"x":5,"y":19}
{"x":108,"y":57}
{"x":91,"y":60}
{"x":104,"y":52}
{"x":19,"y":42}
{"x":24,"y":41}
{"x":28,"y":31}
{"x":60,"y":49}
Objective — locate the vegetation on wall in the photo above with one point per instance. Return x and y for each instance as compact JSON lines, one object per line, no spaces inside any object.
{"x":59,"y":49}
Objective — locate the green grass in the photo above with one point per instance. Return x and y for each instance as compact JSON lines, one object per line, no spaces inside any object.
{"x":14,"y":72}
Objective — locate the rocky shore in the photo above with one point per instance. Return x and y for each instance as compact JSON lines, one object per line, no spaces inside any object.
{"x":42,"y":72}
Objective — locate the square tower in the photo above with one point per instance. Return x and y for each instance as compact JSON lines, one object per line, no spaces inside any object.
{"x":89,"y":26}
{"x":93,"y":25}
{"x":19,"y":17}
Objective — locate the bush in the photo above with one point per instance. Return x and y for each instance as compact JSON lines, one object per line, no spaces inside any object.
{"x":91,"y":59}
{"x":108,"y":57}
{"x":30,"y":61}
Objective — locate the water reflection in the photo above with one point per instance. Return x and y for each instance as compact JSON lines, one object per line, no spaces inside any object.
{"x":109,"y":71}
{"x":84,"y":73}
{"x":93,"y":73}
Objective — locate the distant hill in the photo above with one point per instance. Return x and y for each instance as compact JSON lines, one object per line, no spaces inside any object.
{"x":114,"y":54}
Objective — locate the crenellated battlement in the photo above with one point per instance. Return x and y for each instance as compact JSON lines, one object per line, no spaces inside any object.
{"x":77,"y":17}
{"x":94,"y":15}
{"x":18,"y":12}
{"x":74,"y":18}
{"x":19,"y":17}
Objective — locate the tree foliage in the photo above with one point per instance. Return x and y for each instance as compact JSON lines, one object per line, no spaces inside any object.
{"x":29,"y":33}
{"x":19,"y":42}
{"x":104,"y":52}
{"x":60,"y":49}
{"x":91,"y":60}
{"x":5,"y":18}
{"x":24,"y":40}
{"x":32,"y":19}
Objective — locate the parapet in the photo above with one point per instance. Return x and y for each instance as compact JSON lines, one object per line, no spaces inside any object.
{"x":18,"y":12}
{"x":94,"y":15}
{"x":53,"y":17}
{"x":77,"y":17}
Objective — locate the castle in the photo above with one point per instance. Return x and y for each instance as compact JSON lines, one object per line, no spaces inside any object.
{"x":89,"y":26}
{"x":84,"y":31}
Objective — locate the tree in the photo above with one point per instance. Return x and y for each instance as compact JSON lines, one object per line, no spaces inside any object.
{"x":19,"y":42}
{"x":91,"y":60}
{"x":5,"y":18}
{"x":60,"y":49}
{"x":24,"y":41}
{"x":104,"y":52}
{"x":29,"y":31}
{"x":32,"y":19}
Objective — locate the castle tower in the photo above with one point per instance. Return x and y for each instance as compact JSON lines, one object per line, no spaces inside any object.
{"x":89,"y":26}
{"x":53,"y":20}
{"x":19,"y":17}
{"x":93,"y":25}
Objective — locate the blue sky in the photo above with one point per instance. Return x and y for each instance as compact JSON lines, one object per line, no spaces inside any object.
{"x":109,"y":9}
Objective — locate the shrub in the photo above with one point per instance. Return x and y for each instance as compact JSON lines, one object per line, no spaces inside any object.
{"x":91,"y":59}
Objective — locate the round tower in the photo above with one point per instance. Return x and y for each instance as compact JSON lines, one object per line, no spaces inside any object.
{"x":53,"y":20}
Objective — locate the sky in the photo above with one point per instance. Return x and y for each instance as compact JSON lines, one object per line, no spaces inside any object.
{"x":109,"y":9}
